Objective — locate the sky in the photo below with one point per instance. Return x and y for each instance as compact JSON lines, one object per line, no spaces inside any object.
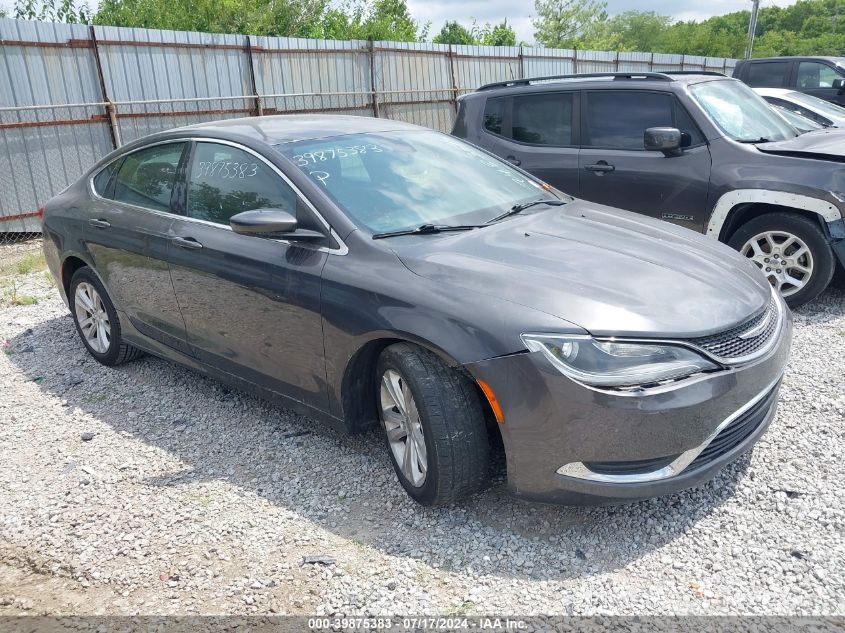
{"x":519,"y":12}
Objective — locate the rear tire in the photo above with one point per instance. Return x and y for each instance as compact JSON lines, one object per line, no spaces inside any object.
{"x":791,"y":250}
{"x":443,"y":422}
{"x":96,"y":320}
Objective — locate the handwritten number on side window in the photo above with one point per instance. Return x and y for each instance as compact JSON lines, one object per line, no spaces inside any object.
{"x":225,"y":170}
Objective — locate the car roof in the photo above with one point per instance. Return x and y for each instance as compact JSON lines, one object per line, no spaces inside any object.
{"x":827,"y":58}
{"x":289,"y":128}
{"x":611,"y":80}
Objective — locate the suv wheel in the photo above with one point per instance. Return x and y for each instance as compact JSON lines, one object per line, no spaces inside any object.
{"x":434,"y":425}
{"x":791,"y":250}
{"x":96,"y":320}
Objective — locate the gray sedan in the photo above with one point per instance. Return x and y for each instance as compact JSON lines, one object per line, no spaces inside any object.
{"x":373,"y":273}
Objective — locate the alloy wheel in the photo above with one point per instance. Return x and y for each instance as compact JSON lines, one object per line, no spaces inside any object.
{"x":401,"y":420}
{"x":92,"y":317}
{"x":784,"y":258}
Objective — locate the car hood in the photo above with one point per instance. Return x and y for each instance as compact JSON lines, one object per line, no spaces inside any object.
{"x":828,"y":144}
{"x":608,"y":271}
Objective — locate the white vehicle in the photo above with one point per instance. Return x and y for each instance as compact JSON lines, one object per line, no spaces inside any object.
{"x":823,"y":112}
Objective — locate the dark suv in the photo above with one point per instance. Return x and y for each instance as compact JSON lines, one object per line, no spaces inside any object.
{"x":700,"y":150}
{"x":821,"y":77}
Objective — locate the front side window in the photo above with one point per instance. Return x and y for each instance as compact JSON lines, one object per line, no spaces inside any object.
{"x":494,"y":114}
{"x":225,"y":181}
{"x":767,"y":74}
{"x":543,"y":119}
{"x":146,"y":177}
{"x":739,"y":112}
{"x":812,"y":75}
{"x":392,"y":181}
{"x":618,"y":120}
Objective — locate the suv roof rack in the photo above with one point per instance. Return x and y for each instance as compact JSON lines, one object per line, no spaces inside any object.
{"x":529,"y":80}
{"x":661,"y":76}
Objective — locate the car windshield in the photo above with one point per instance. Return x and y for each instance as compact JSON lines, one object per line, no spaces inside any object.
{"x":393,"y":181}
{"x":740,"y":112}
{"x":819,"y":105}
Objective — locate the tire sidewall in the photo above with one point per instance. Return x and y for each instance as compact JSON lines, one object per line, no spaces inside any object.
{"x":427,"y":493}
{"x":87,"y":275}
{"x":823,"y":258}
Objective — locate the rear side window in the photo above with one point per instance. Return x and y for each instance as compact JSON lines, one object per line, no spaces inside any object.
{"x":543,"y":119}
{"x":767,"y":74}
{"x":103,"y":179}
{"x":146,"y":177}
{"x":494,"y":115}
{"x":812,"y":75}
{"x":226,"y":180}
{"x":618,"y":120}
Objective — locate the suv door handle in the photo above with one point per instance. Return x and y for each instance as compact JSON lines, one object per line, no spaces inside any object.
{"x":186,"y":242}
{"x":600,"y":168}
{"x":100,"y":224}
{"x":513,"y":160}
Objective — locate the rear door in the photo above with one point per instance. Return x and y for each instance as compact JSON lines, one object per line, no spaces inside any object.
{"x":768,"y":74}
{"x":615,"y":168}
{"x":817,"y":79}
{"x":127,"y":235}
{"x":537,"y":132}
{"x":251,"y":304}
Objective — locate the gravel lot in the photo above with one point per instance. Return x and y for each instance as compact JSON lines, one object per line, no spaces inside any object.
{"x":150,"y":489}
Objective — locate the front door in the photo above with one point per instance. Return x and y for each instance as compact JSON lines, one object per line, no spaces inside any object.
{"x":251,"y":304}
{"x":536,"y":132}
{"x":616,"y":170}
{"x":817,"y":79}
{"x":128,"y":234}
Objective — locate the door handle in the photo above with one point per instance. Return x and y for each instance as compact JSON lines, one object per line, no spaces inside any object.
{"x":513,"y":160}
{"x":186,"y":242}
{"x":600,"y":168}
{"x":100,"y":224}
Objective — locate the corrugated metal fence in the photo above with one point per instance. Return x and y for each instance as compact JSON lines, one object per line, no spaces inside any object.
{"x":69,"y":94}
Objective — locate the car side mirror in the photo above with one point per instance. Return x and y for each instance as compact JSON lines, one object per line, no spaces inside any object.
{"x":271,"y":223}
{"x":668,"y":140}
{"x":839,"y":84}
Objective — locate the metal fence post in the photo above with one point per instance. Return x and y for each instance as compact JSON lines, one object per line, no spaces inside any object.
{"x":575,"y":61}
{"x":451,"y":57}
{"x":521,"y":63}
{"x":374,"y":92}
{"x":259,"y":109}
{"x":111,"y":112}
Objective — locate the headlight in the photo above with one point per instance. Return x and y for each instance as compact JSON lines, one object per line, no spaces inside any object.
{"x":616,"y":363}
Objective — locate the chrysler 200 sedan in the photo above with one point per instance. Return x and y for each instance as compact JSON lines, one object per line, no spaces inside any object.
{"x":369,"y":272}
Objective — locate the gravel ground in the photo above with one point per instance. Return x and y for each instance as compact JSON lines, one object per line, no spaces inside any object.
{"x":150,"y":489}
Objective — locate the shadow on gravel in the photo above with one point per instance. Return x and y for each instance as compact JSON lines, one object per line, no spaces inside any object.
{"x":342,"y":484}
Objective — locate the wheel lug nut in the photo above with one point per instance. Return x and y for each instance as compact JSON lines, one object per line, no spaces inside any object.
{"x":766,"y":260}
{"x":778,"y":270}
{"x":768,"y":270}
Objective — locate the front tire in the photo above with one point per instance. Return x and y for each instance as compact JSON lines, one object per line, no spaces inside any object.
{"x":96,"y":320}
{"x":791,"y":250}
{"x":434,"y":425}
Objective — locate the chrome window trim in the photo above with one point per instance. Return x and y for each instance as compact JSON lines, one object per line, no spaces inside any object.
{"x":341,"y":250}
{"x":578,"y":470}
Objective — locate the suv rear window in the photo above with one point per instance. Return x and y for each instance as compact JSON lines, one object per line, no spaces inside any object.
{"x":543,"y":119}
{"x":767,"y":74}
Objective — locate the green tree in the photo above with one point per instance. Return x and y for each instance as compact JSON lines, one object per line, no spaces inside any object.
{"x":564,"y":23}
{"x":498,"y":35}
{"x":52,"y":11}
{"x":454,"y":33}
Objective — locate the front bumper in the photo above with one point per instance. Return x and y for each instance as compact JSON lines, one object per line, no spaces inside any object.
{"x":571,"y":444}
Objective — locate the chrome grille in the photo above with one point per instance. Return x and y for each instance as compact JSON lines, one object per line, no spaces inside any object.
{"x":730,"y":344}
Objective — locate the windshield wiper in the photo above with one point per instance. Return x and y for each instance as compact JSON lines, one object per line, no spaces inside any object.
{"x":754,"y":140}
{"x":519,"y":208}
{"x":428,"y":229}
